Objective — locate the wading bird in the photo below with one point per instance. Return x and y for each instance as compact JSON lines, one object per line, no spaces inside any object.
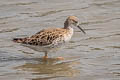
{"x":48,"y":39}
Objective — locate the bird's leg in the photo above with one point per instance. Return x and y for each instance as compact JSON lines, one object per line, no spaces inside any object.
{"x":45,"y":57}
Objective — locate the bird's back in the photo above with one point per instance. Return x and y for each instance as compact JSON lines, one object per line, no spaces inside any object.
{"x":45,"y":37}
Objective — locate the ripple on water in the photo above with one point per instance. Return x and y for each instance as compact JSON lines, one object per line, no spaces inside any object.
{"x":94,"y":56}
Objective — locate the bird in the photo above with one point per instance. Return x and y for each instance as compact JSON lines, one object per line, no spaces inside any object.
{"x":47,"y":39}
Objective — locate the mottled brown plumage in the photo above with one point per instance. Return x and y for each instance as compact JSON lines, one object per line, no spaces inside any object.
{"x":52,"y":37}
{"x":44,"y":37}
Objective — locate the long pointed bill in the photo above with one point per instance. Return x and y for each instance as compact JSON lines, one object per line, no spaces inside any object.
{"x":81,"y":29}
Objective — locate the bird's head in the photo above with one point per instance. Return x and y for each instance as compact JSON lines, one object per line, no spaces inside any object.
{"x":73,"y":20}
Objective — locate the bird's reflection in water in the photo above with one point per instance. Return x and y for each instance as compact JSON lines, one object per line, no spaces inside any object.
{"x":50,"y":68}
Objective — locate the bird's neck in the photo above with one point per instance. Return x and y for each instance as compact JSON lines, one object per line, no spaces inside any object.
{"x":67,"y":25}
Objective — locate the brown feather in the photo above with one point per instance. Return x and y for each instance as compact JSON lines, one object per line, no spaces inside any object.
{"x":44,"y":37}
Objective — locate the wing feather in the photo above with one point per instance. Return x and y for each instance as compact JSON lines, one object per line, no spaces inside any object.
{"x":45,"y":37}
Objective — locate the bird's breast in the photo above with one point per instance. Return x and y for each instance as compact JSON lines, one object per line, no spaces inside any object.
{"x":68,"y":35}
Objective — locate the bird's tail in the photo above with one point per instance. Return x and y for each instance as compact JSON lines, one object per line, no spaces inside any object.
{"x":19,"y":40}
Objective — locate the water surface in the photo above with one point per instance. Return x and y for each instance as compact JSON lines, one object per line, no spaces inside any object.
{"x":94,"y":56}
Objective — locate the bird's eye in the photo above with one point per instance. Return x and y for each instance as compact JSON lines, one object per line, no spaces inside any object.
{"x":75,"y":21}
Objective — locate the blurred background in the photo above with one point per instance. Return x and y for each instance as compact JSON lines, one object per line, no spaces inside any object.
{"x":94,"y":56}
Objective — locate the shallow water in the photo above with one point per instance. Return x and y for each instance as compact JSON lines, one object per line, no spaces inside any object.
{"x":94,"y":56}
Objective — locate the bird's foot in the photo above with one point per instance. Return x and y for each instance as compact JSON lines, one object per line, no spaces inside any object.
{"x":60,"y":58}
